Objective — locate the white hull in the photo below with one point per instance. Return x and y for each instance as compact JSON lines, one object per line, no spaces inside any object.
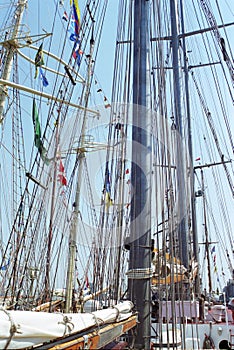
{"x":194,"y":335}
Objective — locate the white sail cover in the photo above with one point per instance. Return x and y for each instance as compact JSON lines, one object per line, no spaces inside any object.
{"x":27,"y":328}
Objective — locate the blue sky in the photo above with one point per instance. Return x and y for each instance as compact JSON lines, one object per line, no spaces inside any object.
{"x":105,"y":61}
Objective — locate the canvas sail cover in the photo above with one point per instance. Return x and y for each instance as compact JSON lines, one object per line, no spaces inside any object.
{"x":23,"y":329}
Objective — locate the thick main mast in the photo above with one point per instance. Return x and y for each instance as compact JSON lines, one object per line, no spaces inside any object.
{"x":140,"y":239}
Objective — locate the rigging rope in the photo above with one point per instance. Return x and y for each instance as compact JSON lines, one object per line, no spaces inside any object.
{"x":212,"y":21}
{"x":212,"y":128}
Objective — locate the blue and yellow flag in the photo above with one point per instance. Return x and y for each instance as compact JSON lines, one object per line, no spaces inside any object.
{"x":76,"y":14}
{"x":108,"y":200}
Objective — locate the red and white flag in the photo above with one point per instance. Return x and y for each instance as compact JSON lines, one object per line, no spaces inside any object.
{"x":61,"y":174}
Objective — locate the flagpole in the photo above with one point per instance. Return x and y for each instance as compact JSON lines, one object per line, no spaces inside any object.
{"x":11,"y":44}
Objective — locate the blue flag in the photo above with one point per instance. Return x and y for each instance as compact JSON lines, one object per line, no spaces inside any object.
{"x":43,"y":78}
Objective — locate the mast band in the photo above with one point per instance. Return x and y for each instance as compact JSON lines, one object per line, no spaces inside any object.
{"x":140,"y":273}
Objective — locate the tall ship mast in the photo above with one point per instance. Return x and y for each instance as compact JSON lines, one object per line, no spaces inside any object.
{"x":116,"y":175}
{"x":140,"y":236}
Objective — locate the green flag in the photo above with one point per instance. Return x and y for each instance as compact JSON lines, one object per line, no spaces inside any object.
{"x":37,"y":134}
{"x":37,"y":127}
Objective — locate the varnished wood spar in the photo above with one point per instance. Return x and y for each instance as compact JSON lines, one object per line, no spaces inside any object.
{"x":46,"y":306}
{"x":177,"y":277}
{"x":94,"y":340}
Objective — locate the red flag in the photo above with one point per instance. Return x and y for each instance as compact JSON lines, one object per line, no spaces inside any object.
{"x":61,"y":174}
{"x":198,"y":159}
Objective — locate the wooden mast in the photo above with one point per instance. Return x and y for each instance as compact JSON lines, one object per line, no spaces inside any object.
{"x":12,"y":46}
{"x":76,"y":205}
{"x":181,"y":209}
